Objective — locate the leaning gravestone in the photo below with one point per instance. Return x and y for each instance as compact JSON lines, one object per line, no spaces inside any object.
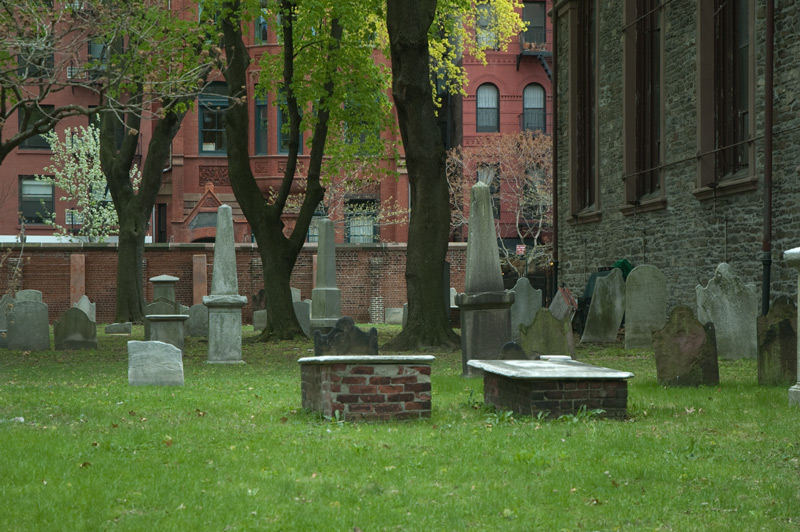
{"x":732,"y":306}
{"x":685,"y":351}
{"x":547,"y":335}
{"x":197,"y":324}
{"x":75,"y":330}
{"x":28,"y":326}
{"x":154,"y":363}
{"x":645,"y":306}
{"x":527,"y":302}
{"x":606,"y":309}
{"x":777,"y":344}
{"x":89,"y":308}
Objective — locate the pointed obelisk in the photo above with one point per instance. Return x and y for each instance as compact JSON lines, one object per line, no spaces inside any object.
{"x":224,"y":304}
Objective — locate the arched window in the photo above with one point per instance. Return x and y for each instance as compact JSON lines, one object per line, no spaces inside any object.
{"x":488,"y":101}
{"x":533,"y":108}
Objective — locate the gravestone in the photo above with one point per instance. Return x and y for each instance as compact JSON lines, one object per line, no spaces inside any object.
{"x":199,"y":279}
{"x":485,"y":305}
{"x":296,"y":296}
{"x":405,"y":314}
{"x":645,"y":306}
{"x":259,"y":320}
{"x":75,"y":330}
{"x":154,"y":364}
{"x":732,"y":306}
{"x":563,"y":306}
{"x":28,"y":326}
{"x":161,"y":307}
{"x":197,"y":324}
{"x":777,"y":344}
{"x":394,"y":316}
{"x":224,"y":304}
{"x":547,"y":335}
{"x":119,"y":328}
{"x":686,"y":351}
{"x":28,"y":295}
{"x":260,"y":300}
{"x":346,"y":339}
{"x":527,"y":302}
{"x":514,"y":351}
{"x":606,"y":309}
{"x":792,"y":258}
{"x":302,"y":310}
{"x":168,"y":328}
{"x":6,"y":302}
{"x":326,"y":299}
{"x":164,"y":287}
{"x":88,"y":308}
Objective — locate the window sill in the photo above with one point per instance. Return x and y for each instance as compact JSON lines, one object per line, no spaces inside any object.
{"x":585,"y":217}
{"x":651,"y":205}
{"x":727,"y":188}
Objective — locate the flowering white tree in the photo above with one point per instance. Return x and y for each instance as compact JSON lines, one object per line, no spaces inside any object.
{"x":76,"y":171}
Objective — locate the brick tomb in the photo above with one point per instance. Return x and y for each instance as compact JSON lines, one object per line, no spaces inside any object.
{"x":368,"y":387}
{"x":556,"y":385}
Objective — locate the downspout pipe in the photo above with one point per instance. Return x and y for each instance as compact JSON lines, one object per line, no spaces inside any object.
{"x":766,"y":247}
{"x":554,"y":152}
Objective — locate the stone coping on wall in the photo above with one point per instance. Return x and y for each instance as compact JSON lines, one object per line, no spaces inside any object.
{"x":365,"y":359}
{"x":551,"y":369}
{"x":203,"y":245}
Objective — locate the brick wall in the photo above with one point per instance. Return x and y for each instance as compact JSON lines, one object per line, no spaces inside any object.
{"x":557,"y":397}
{"x":368,"y":391}
{"x":370,"y":276}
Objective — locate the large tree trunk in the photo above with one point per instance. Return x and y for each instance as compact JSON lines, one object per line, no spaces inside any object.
{"x":130,"y":289}
{"x":408,"y":22}
{"x":278,"y":252}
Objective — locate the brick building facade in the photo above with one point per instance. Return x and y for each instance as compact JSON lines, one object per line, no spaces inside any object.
{"x":661,"y":139}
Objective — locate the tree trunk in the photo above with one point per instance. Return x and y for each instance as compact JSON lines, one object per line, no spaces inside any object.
{"x":408,"y":22}
{"x":130,"y":289}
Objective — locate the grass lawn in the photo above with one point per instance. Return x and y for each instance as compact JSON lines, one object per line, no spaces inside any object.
{"x":233,"y":450}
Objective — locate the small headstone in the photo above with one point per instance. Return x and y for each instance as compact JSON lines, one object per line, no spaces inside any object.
{"x":645,"y":306}
{"x":168,"y":328}
{"x":154,"y":363}
{"x":606,"y":309}
{"x":89,"y":308}
{"x":563,"y":306}
{"x":453,"y":294}
{"x":527,"y":302}
{"x":514,"y":351}
{"x":296,"y":296}
{"x":302,"y":311}
{"x":28,"y":295}
{"x":346,"y":339}
{"x":777,"y":344}
{"x":197,"y":324}
{"x":28,"y":326}
{"x":732,"y":306}
{"x":75,"y":330}
{"x":686,"y":351}
{"x":161,"y":307}
{"x":393,"y":316}
{"x":405,"y":314}
{"x":6,"y":302}
{"x":260,"y":300}
{"x":547,"y":335}
{"x":259,"y":320}
{"x":119,"y":328}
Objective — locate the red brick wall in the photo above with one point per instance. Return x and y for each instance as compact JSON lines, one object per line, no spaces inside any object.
{"x":369,"y":276}
{"x":368,"y":391}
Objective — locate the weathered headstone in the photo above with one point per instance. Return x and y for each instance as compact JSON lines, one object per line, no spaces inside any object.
{"x":685,"y":351}
{"x":28,"y":295}
{"x":547,"y":335}
{"x":485,"y":305}
{"x":394,"y":316}
{"x":326,"y":299}
{"x":514,"y":351}
{"x":645,"y":306}
{"x":154,"y":363}
{"x":259,"y":320}
{"x":527,"y":302}
{"x":224,"y":304}
{"x":168,"y":328}
{"x":88,"y":308}
{"x":77,"y":277}
{"x":302,"y":310}
{"x":164,"y":286}
{"x":732,"y":306}
{"x":75,"y":330}
{"x":161,"y":307}
{"x":6,"y":302}
{"x":346,"y":339}
{"x":405,"y":314}
{"x":119,"y":328}
{"x":197,"y":324}
{"x":606,"y":309}
{"x":563,"y":306}
{"x":260,"y":300}
{"x":777,"y":344}
{"x":296,"y":295}
{"x":28,"y":326}
{"x":792,"y":258}
{"x":199,"y":279}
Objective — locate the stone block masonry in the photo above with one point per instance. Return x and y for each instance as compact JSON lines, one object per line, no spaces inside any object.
{"x":377,"y":388}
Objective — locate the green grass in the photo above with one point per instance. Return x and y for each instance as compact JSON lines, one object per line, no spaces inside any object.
{"x":233,"y":450}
